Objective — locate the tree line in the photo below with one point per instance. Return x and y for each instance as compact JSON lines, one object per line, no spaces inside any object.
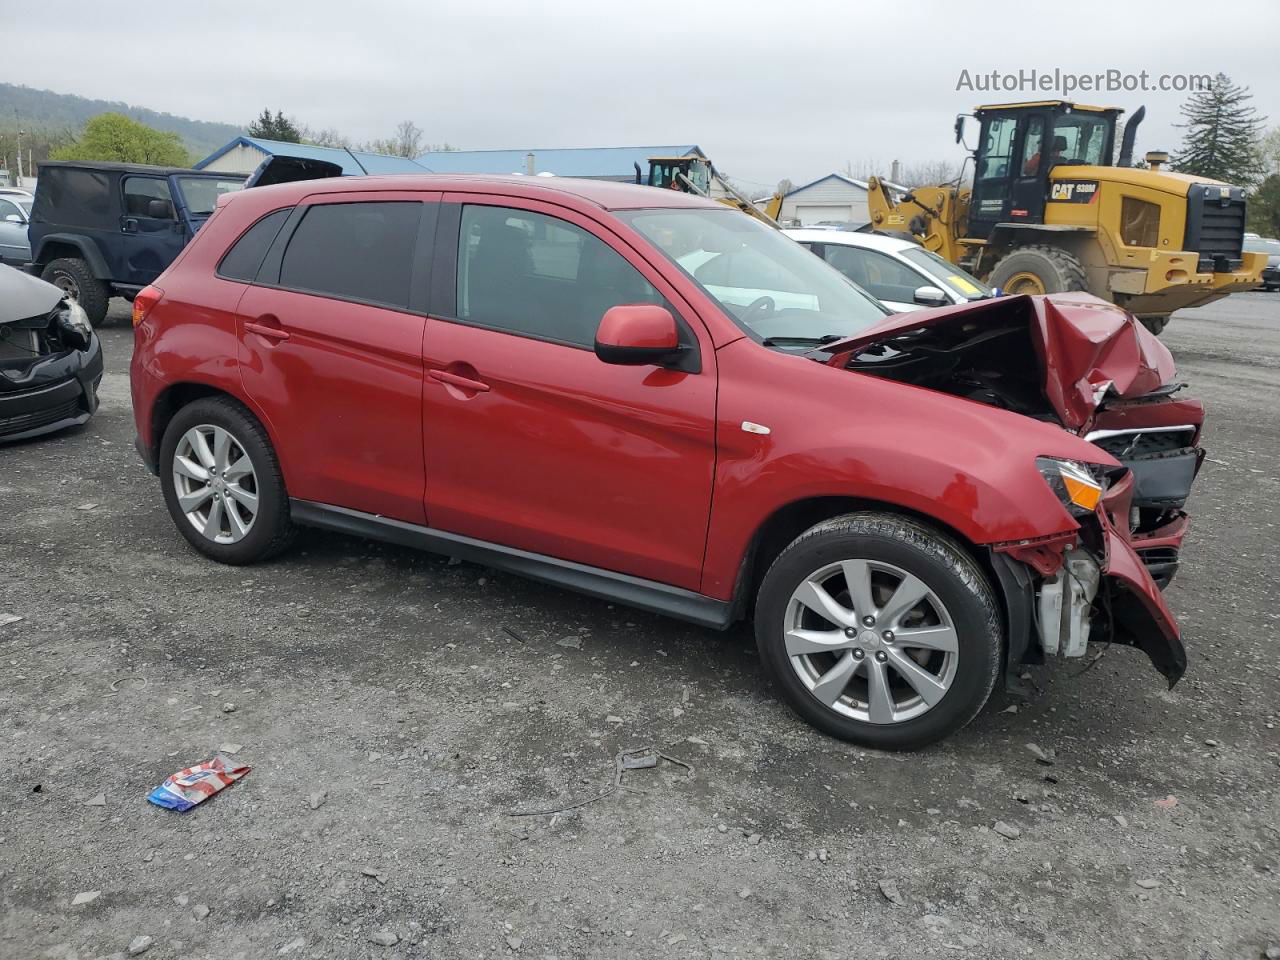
{"x":407,"y":141}
{"x":115,"y":138}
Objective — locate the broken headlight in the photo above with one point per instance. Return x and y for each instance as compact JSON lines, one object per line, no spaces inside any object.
{"x":1078,"y":485}
{"x":74,"y":323}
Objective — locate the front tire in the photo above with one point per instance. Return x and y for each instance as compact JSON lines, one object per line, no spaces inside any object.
{"x":222,"y":482}
{"x":1155,"y":324}
{"x":1038,"y":269}
{"x":880,"y":630}
{"x":77,"y":281}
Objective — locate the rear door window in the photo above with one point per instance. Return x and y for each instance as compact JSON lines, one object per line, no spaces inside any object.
{"x":354,"y":251}
{"x":540,"y":276}
{"x":139,"y":192}
{"x":244,"y":258}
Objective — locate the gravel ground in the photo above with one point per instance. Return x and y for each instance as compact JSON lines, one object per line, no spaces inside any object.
{"x":397,"y":708}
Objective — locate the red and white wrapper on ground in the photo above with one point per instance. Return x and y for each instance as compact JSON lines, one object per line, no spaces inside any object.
{"x":184,"y":789}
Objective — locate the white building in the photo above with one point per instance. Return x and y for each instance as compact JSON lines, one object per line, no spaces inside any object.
{"x":833,"y":198}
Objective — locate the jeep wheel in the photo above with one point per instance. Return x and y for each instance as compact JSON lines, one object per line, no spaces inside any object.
{"x":77,"y":281}
{"x":1038,"y":269}
{"x":222,"y":484}
{"x":880,"y":630}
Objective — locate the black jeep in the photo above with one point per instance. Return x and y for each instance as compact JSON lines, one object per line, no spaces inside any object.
{"x":104,"y":229}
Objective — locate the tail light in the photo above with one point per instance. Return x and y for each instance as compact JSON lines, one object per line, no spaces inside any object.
{"x":145,"y":299}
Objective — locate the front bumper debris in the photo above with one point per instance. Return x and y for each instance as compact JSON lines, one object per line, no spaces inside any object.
{"x":55,"y":391}
{"x":1090,"y":585}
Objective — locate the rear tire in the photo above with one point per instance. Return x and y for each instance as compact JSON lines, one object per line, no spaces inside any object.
{"x":890,"y":675}
{"x":1038,"y":269}
{"x":75,"y":278}
{"x":1155,"y":324}
{"x":222,"y":482}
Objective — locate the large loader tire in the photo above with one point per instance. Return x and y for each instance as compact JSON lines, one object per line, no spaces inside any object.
{"x":1155,"y":324}
{"x":1038,"y":269}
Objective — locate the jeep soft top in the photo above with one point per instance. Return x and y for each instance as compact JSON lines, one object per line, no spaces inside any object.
{"x":99,"y":229}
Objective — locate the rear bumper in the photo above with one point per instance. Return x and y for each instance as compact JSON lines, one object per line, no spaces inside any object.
{"x":52,"y":395}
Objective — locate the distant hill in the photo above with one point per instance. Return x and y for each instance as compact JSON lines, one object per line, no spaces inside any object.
{"x":43,"y":110}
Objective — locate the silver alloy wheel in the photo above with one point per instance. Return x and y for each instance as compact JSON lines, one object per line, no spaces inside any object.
{"x":215,"y":483}
{"x":871,"y":641}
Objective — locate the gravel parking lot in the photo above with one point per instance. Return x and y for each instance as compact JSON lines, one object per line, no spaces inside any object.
{"x":396,"y":708}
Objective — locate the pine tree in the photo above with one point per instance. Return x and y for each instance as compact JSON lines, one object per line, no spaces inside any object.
{"x":1223,"y":134}
{"x":278,"y":127}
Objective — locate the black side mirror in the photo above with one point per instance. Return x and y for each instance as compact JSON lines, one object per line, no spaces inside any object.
{"x":159,"y":210}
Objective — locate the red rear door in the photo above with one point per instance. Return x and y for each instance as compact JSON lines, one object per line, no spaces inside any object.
{"x":533,"y":442}
{"x":332,"y":357}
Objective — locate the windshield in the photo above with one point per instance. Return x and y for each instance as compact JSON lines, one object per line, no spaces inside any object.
{"x":768,"y":284}
{"x":26,"y":206}
{"x":948,"y":274}
{"x":1081,"y":138}
{"x":201,"y":193}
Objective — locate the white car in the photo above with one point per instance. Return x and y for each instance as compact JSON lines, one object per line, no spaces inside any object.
{"x":899,"y":273}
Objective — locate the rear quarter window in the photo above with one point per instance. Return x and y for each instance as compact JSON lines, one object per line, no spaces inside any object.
{"x":354,"y":251}
{"x":244,"y":258}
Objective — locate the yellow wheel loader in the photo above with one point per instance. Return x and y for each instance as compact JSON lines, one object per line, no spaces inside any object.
{"x":1049,"y":212}
{"x":694,"y":174}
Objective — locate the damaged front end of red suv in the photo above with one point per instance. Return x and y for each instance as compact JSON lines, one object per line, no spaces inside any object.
{"x":1093,"y":369}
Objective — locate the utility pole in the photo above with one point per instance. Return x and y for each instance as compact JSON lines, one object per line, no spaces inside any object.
{"x":19,"y":157}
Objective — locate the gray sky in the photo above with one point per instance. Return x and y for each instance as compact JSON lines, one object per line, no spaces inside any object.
{"x":794,"y":91}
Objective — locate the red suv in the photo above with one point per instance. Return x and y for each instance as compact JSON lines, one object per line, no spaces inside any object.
{"x":651,"y":398}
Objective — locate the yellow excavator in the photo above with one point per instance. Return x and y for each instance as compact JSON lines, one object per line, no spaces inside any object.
{"x":1049,"y":212}
{"x":695,"y":174}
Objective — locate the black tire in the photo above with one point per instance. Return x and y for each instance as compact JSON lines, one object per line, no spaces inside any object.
{"x":943,"y":566}
{"x":1058,"y":271}
{"x":1155,"y":324}
{"x":272,"y":529}
{"x":75,"y":277}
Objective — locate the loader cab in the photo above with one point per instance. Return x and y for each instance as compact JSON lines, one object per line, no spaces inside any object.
{"x":676,"y":173}
{"x":1019,"y":144}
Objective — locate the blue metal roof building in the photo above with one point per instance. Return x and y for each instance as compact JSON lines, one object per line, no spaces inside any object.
{"x":243,"y":154}
{"x":596,"y":163}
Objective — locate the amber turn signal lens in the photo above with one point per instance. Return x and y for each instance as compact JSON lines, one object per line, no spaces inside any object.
{"x":1082,"y":494}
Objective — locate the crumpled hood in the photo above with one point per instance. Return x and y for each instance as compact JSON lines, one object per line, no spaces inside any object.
{"x":23,"y":297}
{"x":1086,"y":349}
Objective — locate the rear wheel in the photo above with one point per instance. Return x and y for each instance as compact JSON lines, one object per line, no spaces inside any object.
{"x":76,"y":280}
{"x":222,"y":484}
{"x":1038,"y":269}
{"x":880,"y":630}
